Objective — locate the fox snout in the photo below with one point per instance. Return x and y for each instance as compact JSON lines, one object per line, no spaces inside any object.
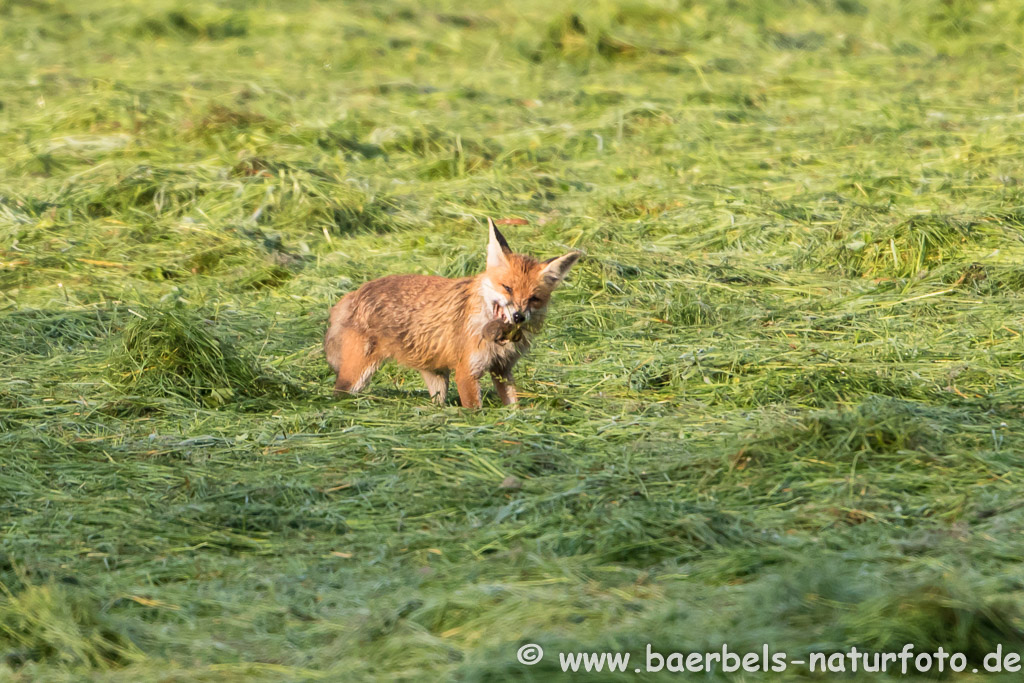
{"x":510,"y":313}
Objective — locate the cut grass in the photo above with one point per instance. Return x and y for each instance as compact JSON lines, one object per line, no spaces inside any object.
{"x":176,"y":353}
{"x":780,"y":400}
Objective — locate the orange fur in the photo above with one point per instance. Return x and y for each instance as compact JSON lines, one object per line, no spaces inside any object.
{"x":437,"y":325}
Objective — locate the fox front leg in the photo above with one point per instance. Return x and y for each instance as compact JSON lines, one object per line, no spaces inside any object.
{"x":505,"y":385}
{"x":468,"y":384}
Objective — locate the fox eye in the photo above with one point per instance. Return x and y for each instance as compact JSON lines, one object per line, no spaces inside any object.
{"x":508,"y":289}
{"x":534,"y":300}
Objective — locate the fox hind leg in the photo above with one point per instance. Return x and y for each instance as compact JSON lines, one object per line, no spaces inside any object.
{"x":437,"y":385}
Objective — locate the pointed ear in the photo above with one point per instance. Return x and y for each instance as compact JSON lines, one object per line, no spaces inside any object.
{"x":497,"y":247}
{"x":557,"y":268}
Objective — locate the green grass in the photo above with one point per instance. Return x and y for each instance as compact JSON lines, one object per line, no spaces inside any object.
{"x":780,"y":401}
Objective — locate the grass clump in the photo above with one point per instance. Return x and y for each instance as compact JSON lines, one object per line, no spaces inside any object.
{"x":840,"y":605}
{"x":47,"y":624}
{"x":904,"y":249}
{"x":614,"y":31}
{"x":143,"y":189}
{"x":189,"y":24}
{"x":825,"y":386}
{"x":176,"y":352}
{"x":573,"y":40}
{"x":878,"y":426}
{"x":41,"y":332}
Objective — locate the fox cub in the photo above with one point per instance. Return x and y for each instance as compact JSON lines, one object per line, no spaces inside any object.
{"x":472,"y":325}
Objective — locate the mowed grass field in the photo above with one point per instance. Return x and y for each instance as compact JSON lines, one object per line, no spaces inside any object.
{"x":780,"y":401}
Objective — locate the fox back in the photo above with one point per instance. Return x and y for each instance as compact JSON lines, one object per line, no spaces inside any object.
{"x":472,"y":325}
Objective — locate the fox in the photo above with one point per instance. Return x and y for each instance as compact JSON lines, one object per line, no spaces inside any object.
{"x":471,"y":325}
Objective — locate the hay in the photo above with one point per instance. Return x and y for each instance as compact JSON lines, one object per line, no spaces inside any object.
{"x":779,"y":402}
{"x":176,"y":352}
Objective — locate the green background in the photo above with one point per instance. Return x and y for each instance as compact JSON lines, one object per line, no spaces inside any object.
{"x":780,"y":400}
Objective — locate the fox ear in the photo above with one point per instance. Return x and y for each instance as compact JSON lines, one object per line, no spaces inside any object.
{"x":497,"y":247}
{"x":557,"y":268}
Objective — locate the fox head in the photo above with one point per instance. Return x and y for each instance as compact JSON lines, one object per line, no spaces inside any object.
{"x":517,"y":287}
